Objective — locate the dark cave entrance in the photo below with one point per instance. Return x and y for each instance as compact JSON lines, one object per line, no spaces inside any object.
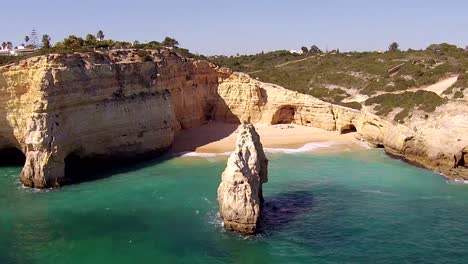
{"x":284,"y":115}
{"x":348,"y":129}
{"x":461,"y":162}
{"x":12,"y":157}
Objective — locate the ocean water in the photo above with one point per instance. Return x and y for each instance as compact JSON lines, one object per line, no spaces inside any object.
{"x":353,"y":207}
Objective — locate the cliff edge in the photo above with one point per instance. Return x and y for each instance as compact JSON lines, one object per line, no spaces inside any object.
{"x":117,"y":105}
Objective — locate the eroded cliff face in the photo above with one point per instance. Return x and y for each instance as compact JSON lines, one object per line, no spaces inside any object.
{"x":240,"y":191}
{"x":252,"y":101}
{"x":117,"y":104}
{"x":99,"y":105}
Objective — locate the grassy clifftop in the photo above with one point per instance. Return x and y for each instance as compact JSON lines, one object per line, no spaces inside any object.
{"x":340,"y":77}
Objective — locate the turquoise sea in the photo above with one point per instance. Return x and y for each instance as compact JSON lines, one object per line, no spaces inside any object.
{"x":353,"y":207}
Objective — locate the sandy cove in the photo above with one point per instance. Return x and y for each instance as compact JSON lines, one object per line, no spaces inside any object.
{"x":221,"y":137}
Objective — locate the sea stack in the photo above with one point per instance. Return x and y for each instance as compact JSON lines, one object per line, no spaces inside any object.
{"x":240,"y":192}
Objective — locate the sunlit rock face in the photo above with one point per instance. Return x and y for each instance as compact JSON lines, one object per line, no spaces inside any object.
{"x":119,"y":104}
{"x":240,"y":191}
{"x":99,"y":105}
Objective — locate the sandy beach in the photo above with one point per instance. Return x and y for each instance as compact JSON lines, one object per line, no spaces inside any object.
{"x":221,"y":137}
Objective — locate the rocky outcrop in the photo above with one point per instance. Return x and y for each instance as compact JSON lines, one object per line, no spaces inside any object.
{"x":117,"y":104}
{"x":252,"y":101}
{"x":99,"y":105}
{"x":240,"y":192}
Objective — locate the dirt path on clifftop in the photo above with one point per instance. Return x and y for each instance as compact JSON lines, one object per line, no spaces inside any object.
{"x":295,"y":61}
{"x":438,"y":87}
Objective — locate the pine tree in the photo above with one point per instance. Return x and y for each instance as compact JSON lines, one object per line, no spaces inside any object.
{"x":34,"y":39}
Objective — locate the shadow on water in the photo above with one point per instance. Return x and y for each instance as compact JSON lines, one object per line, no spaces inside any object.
{"x":11,"y":157}
{"x":281,"y":210}
{"x":79,"y":170}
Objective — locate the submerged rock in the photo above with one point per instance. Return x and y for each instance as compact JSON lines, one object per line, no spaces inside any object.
{"x":240,"y":192}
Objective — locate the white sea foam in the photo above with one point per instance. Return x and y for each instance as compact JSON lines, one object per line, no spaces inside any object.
{"x":309,"y":147}
{"x":34,"y":190}
{"x":458,"y":181}
{"x":202,"y":154}
{"x":364,"y":144}
{"x":377,"y":192}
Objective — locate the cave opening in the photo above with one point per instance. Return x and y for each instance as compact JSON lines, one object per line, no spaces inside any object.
{"x":461,"y":162}
{"x":284,"y":115}
{"x":348,"y":129}
{"x":12,"y":157}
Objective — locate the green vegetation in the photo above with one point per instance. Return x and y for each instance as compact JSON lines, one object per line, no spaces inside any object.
{"x":100,"y":35}
{"x":354,"y":105}
{"x":461,"y":84}
{"x":458,"y":94}
{"x":394,"y":47}
{"x":34,"y":42}
{"x":91,"y":43}
{"x":334,"y":76}
{"x":423,"y":100}
{"x":45,"y":42}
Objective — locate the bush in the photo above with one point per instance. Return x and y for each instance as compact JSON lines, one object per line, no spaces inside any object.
{"x":423,"y":100}
{"x":354,"y":105}
{"x":458,"y":94}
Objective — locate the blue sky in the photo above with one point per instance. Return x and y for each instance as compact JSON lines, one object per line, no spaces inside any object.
{"x":241,"y":26}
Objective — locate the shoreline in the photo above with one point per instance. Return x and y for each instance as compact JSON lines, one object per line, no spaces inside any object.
{"x":220,"y":138}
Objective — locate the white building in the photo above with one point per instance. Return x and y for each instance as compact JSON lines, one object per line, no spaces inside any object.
{"x":296,"y":52}
{"x":16,"y":51}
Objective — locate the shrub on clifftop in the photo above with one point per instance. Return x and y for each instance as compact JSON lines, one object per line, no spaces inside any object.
{"x":423,"y":100}
{"x":393,"y":47}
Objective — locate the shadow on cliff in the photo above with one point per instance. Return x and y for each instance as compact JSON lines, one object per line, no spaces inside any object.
{"x":281,"y":210}
{"x":189,"y":140}
{"x":218,"y":123}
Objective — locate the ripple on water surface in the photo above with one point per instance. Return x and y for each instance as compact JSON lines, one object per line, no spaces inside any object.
{"x":356,"y":207}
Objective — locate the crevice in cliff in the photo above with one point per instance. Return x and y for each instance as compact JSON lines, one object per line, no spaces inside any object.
{"x":333,"y":116}
{"x":12,"y":157}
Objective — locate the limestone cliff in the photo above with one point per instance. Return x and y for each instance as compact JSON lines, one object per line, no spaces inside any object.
{"x":98,"y":105}
{"x":252,"y":101}
{"x":240,"y":191}
{"x":118,"y":104}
